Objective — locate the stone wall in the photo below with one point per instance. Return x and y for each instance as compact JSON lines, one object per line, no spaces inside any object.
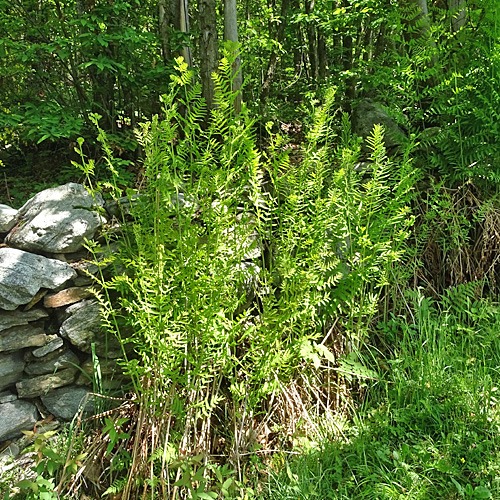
{"x":48,"y":318}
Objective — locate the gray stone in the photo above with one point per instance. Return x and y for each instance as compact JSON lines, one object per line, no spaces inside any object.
{"x":242,"y":239}
{"x":20,"y":318}
{"x":11,"y":369}
{"x":369,"y":113}
{"x":248,"y":283}
{"x":8,"y":218}
{"x":7,"y":396}
{"x":16,"y":416}
{"x":54,"y":343}
{"x":66,"y":402}
{"x":109,"y":370}
{"x":52,"y":362}
{"x":180,"y":202}
{"x":120,"y":207}
{"x":37,"y":386}
{"x":57,"y":220}
{"x":20,"y":337}
{"x":83,"y":281}
{"x":83,"y":328}
{"x":22,"y":274}
{"x":83,"y":325}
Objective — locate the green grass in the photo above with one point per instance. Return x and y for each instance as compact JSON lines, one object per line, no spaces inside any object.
{"x":430,"y":429}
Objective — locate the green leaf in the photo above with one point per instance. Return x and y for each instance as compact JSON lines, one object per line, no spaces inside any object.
{"x":325,"y":352}
{"x":207,"y":495}
{"x":482,"y":492}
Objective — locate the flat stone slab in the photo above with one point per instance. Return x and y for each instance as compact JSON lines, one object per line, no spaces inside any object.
{"x":52,"y":345}
{"x":83,"y":328}
{"x":66,"y":402}
{"x":56,"y":360}
{"x":8,"y":319}
{"x":38,"y":386}
{"x":8,"y":218}
{"x":16,"y":416}
{"x":57,"y":220}
{"x":11,"y":369}
{"x":22,"y":274}
{"x":7,"y":396}
{"x":20,"y":337}
{"x":66,"y":297}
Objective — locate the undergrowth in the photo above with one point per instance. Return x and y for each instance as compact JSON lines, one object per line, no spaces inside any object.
{"x":429,"y":427}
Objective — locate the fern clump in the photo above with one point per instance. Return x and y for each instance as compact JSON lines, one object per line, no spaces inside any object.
{"x":235,"y":267}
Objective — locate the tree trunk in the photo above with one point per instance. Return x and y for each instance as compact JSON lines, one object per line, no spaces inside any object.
{"x":347,"y":63}
{"x":273,"y":60}
{"x":184,"y":27}
{"x":322,"y":55}
{"x":458,"y":13}
{"x":422,"y":20}
{"x":208,"y":48}
{"x":311,"y":38}
{"x":164,"y":18}
{"x":231,"y":34}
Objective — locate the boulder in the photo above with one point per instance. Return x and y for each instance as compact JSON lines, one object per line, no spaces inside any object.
{"x":16,"y":416}
{"x":22,"y":274}
{"x":38,"y":386}
{"x":8,"y":218}
{"x":19,"y":337}
{"x":66,"y":402}
{"x":369,"y":113}
{"x":57,"y":220}
{"x":11,"y":369}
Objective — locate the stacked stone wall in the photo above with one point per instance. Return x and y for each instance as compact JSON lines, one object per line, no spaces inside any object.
{"x":49,"y":321}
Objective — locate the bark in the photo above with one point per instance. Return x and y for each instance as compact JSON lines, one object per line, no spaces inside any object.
{"x":231,"y":34}
{"x":422,"y":20}
{"x":311,"y":39}
{"x":164,"y":18}
{"x":458,"y":12}
{"x":273,"y":60}
{"x":208,"y":48}
{"x":347,"y":63}
{"x":184,"y":27}
{"x":322,"y":55}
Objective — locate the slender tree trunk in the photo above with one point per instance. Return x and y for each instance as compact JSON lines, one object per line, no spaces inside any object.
{"x":273,"y":60}
{"x":311,"y":38}
{"x":422,"y":20}
{"x":347,"y":62}
{"x":184,"y":27}
{"x":458,"y":13}
{"x":164,"y":18}
{"x":322,"y":55}
{"x":208,"y":48}
{"x":231,"y":34}
{"x":297,"y":52}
